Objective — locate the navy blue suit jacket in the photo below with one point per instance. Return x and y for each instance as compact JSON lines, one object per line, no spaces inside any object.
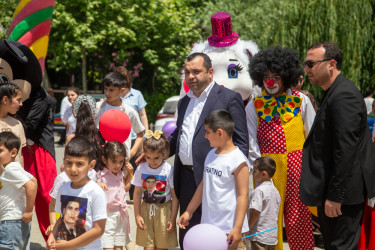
{"x":218,"y":98}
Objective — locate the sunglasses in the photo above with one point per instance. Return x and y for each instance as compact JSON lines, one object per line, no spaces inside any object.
{"x":311,"y":64}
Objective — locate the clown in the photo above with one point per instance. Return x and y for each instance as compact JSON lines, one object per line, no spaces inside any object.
{"x":278,"y":121}
{"x":230,"y":56}
{"x":18,"y":64}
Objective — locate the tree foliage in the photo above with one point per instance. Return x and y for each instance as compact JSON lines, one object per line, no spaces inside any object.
{"x":300,"y":23}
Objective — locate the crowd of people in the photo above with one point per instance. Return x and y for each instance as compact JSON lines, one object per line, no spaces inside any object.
{"x":303,"y":160}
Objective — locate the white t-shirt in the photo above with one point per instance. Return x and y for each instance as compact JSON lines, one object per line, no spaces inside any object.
{"x":92,"y":203}
{"x":133,"y":115}
{"x":63,"y":177}
{"x":266,"y":199}
{"x":219,"y":199}
{"x":12,"y":193}
{"x":162,"y":186}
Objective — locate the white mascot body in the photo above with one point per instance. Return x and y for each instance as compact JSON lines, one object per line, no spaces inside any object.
{"x":230,"y":56}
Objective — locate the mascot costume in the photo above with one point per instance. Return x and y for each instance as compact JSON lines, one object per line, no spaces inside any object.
{"x":230,"y":56}
{"x":19,"y":65}
{"x":22,"y":60}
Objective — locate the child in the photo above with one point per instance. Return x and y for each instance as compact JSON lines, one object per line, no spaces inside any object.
{"x":114,"y":86}
{"x":10,"y":102}
{"x":68,"y":118}
{"x":115,"y":183}
{"x":156,"y":216}
{"x":17,"y":196}
{"x":81,"y":202}
{"x":264,"y":205}
{"x":84,"y":109}
{"x":225,"y":184}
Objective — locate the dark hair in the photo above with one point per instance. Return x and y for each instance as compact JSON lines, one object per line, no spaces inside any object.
{"x":332,"y":51}
{"x":80,"y":147}
{"x":114,"y":148}
{"x":282,"y":61}
{"x":220,"y":119}
{"x":150,"y":177}
{"x":10,"y":140}
{"x":115,"y":79}
{"x":86,"y":129}
{"x":126,"y":74}
{"x":301,"y":73}
{"x":266,"y":164}
{"x":74,"y":89}
{"x":206,"y":59}
{"x":161,"y":146}
{"x":9,"y":90}
{"x":369,"y":92}
{"x":65,"y":202}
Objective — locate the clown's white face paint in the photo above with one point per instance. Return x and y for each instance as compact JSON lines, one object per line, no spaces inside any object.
{"x":272,"y":87}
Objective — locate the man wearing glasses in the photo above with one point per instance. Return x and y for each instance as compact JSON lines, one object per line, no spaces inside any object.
{"x":338,"y":158}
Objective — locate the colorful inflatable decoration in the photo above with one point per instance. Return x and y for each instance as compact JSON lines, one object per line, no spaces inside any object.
{"x":31,"y":26}
{"x":229,"y":54}
{"x":205,"y":236}
{"x":115,"y":125}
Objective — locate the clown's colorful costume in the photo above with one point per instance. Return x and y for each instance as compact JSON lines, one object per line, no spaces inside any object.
{"x":277,"y":128}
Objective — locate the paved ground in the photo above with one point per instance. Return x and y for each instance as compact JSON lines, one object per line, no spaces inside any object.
{"x":37,"y":240}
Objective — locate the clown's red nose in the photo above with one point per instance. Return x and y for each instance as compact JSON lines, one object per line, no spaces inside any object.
{"x":270,"y":83}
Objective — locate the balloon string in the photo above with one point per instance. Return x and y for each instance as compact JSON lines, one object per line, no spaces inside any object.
{"x":254,"y":234}
{"x":130,"y":173}
{"x":258,"y":233}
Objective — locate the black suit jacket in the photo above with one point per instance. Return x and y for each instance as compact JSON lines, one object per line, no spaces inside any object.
{"x":218,"y":98}
{"x":338,"y":156}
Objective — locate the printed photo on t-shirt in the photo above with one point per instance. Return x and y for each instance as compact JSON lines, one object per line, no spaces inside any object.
{"x":73,"y":217}
{"x":153,"y":188}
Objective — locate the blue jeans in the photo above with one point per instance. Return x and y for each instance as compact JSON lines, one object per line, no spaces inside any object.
{"x":14,"y":234}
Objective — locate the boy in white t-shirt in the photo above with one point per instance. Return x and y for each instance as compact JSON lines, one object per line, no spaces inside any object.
{"x":264,"y":205}
{"x":17,"y":196}
{"x":114,"y":87}
{"x":225,"y":185}
{"x":80,"y":202}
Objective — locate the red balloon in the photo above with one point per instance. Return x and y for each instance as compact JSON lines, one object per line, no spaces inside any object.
{"x":186,"y":88}
{"x":115,"y":125}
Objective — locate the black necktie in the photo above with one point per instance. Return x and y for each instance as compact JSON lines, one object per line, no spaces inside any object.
{"x":71,"y":231}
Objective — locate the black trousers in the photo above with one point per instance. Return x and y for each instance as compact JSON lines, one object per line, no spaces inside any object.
{"x":187,"y":187}
{"x":342,"y":232}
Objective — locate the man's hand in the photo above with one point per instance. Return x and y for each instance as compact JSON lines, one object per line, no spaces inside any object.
{"x":332,"y":209}
{"x":234,"y":237}
{"x":183,"y":221}
{"x":27,"y":217}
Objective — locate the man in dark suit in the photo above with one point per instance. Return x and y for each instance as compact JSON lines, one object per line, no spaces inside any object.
{"x":188,"y":141}
{"x":338,"y":159}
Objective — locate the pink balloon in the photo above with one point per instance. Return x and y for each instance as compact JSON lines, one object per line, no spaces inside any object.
{"x":115,"y":125}
{"x":168,"y":128}
{"x":205,"y":236}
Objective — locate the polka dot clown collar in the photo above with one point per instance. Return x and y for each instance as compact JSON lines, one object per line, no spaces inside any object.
{"x":285,"y":106}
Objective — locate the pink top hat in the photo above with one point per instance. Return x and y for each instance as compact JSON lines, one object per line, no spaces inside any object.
{"x":223,"y":35}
